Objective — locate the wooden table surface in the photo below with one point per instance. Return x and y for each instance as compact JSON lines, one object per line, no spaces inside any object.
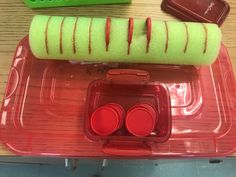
{"x":15,"y":19}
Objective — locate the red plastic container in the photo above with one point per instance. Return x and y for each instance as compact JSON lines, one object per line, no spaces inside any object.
{"x":210,"y":11}
{"x":141,"y":120}
{"x":43,"y":109}
{"x":128,"y":87}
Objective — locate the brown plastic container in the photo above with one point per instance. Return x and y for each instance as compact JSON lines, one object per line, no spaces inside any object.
{"x":210,"y":11}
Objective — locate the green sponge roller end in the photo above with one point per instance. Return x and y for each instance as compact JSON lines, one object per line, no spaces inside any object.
{"x":124,"y":40}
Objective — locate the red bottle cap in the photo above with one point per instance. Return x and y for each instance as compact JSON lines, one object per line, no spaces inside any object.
{"x":107,"y":119}
{"x":141,"y":120}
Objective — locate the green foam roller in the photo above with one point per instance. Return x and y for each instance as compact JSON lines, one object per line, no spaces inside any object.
{"x":58,"y":3}
{"x":124,"y":40}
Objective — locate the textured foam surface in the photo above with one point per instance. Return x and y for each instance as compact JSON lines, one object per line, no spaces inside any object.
{"x":124,"y":40}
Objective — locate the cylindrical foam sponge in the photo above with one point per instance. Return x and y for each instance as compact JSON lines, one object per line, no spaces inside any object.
{"x":124,"y":40}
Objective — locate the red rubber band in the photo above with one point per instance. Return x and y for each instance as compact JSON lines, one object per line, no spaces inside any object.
{"x":61,"y":35}
{"x":149,"y":32}
{"x":187,"y":38}
{"x":206,"y":38}
{"x":46,"y":34}
{"x":74,"y":33}
{"x":107,"y":32}
{"x":90,"y":40}
{"x":130,"y":33}
{"x":167,"y":36}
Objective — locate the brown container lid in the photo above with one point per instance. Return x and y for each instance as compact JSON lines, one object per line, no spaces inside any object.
{"x":210,"y":11}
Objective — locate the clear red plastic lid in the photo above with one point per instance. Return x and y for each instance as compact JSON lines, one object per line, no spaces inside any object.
{"x":44,"y":106}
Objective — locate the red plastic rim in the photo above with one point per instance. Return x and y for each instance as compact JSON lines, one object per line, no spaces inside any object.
{"x":148,"y":107}
{"x":104,"y":121}
{"x":141,"y":120}
{"x":120,"y":111}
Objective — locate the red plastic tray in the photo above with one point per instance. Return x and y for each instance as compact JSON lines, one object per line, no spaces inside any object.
{"x":43,"y":109}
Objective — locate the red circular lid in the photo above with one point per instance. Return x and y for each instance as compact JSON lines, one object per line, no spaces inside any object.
{"x":104,"y":121}
{"x":140,"y":121}
{"x":117,"y":107}
{"x":120,"y":111}
{"x":149,"y":108}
